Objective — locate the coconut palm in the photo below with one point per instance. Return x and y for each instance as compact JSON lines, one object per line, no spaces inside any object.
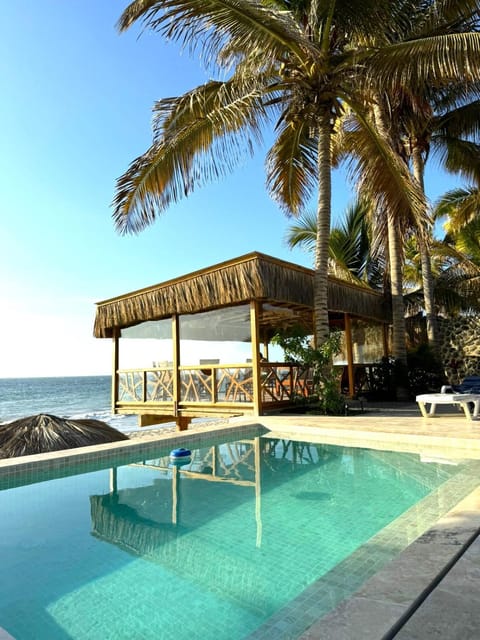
{"x":462,"y":245}
{"x":456,"y":277}
{"x":351,"y":255}
{"x":300,"y":63}
{"x":427,"y":117}
{"x":437,"y":120}
{"x":446,"y":123}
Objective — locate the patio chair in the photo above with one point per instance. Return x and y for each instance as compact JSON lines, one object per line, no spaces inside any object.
{"x":470,"y":384}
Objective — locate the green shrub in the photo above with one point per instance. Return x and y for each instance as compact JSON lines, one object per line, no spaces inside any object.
{"x":298,"y":348}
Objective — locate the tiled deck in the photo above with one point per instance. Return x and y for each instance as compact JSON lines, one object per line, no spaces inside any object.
{"x":432,"y":588}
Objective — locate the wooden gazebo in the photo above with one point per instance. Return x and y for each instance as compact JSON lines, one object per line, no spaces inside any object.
{"x":240,"y":303}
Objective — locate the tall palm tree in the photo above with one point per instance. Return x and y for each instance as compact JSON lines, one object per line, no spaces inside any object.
{"x":421,"y":117}
{"x":299,"y":62}
{"x":446,"y":123}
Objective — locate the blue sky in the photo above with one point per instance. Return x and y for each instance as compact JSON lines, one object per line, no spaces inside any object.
{"x":76,"y":110}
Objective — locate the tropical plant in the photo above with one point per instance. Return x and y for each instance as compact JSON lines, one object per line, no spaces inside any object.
{"x":297,"y":346}
{"x":460,"y":276}
{"x":414,"y":117}
{"x":352,"y":255}
{"x":445,"y":126}
{"x":446,"y":123}
{"x":302,"y":63}
{"x":461,"y":206}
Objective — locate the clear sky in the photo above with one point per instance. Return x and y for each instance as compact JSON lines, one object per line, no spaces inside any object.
{"x":75,"y":109}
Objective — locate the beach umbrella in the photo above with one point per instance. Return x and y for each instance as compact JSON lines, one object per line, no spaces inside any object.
{"x":43,"y":432}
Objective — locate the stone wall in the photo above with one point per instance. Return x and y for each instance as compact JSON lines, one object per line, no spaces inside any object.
{"x":460,"y":347}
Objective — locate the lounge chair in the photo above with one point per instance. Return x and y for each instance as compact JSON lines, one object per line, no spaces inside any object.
{"x":470,"y":384}
{"x":465,"y":395}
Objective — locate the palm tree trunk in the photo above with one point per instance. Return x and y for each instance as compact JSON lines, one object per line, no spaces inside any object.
{"x":427,"y":277}
{"x":395,"y":258}
{"x":395,"y":252}
{"x":320,"y":282}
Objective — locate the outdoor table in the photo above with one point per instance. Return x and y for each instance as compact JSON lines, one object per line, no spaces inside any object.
{"x":462,"y":399}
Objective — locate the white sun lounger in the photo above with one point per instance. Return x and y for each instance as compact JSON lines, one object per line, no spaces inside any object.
{"x":463,"y":399}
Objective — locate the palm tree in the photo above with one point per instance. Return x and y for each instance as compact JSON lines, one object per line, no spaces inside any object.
{"x":438,"y":120}
{"x":445,"y":123}
{"x":300,"y":63}
{"x":461,"y":272}
{"x":428,"y":116}
{"x":455,"y":272}
{"x":352,"y":255}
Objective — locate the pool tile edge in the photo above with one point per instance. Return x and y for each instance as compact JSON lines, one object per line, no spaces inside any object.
{"x":374,"y":611}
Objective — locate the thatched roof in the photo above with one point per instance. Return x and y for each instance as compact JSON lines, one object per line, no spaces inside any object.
{"x":43,"y":432}
{"x":254,"y":276}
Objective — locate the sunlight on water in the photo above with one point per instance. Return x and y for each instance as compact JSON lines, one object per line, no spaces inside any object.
{"x":215,"y":548}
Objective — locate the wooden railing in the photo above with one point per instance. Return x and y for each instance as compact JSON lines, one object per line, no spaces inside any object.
{"x":214,"y":384}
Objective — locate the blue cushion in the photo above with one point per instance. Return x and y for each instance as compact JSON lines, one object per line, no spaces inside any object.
{"x":470,"y":384}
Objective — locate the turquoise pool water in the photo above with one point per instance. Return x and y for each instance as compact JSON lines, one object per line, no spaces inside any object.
{"x":253,"y":538}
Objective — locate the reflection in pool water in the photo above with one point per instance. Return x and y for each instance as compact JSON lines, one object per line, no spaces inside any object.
{"x":213,"y":548}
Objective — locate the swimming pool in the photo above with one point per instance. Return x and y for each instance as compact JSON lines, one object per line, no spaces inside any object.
{"x":255,"y":538}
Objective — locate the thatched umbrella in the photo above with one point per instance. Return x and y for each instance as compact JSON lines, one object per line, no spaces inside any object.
{"x":43,"y":432}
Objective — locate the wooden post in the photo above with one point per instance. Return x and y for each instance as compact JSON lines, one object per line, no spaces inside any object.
{"x":385,"y":340}
{"x":182,"y":422}
{"x":349,"y":345}
{"x":254,"y":331}
{"x":115,"y":360}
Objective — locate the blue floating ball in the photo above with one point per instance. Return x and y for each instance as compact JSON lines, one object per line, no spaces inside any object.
{"x":180,"y":453}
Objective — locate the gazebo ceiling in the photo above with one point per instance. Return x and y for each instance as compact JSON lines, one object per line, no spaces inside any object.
{"x":284,"y":288}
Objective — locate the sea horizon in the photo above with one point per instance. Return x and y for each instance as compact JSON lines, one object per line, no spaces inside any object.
{"x":84,"y":396}
{"x":75,"y":397}
{"x":70,"y":375}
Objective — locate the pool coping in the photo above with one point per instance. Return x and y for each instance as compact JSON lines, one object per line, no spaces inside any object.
{"x":386,"y":601}
{"x":379,"y":608}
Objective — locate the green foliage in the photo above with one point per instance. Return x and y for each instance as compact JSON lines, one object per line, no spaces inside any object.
{"x":422,"y":374}
{"x":351,"y":255}
{"x":425,"y":372}
{"x":298,"y":347}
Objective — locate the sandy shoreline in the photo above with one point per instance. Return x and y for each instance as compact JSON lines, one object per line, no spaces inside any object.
{"x":164,"y":430}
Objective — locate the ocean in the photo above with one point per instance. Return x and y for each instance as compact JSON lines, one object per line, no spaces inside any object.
{"x":72,"y":397}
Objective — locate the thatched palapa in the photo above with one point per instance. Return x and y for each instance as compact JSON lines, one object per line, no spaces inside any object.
{"x":43,"y":433}
{"x":254,"y":276}
{"x":246,"y":300}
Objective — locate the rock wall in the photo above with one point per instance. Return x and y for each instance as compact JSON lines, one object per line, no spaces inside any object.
{"x":460,"y":347}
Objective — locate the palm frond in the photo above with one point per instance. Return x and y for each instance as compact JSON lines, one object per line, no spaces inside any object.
{"x":458,"y":156}
{"x":291,"y":166}
{"x":460,"y":121}
{"x":461,"y":206}
{"x":207,"y":26}
{"x":436,"y":60}
{"x":442,"y":17}
{"x":198,"y":137}
{"x":381,"y":175}
{"x":303,"y":233}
